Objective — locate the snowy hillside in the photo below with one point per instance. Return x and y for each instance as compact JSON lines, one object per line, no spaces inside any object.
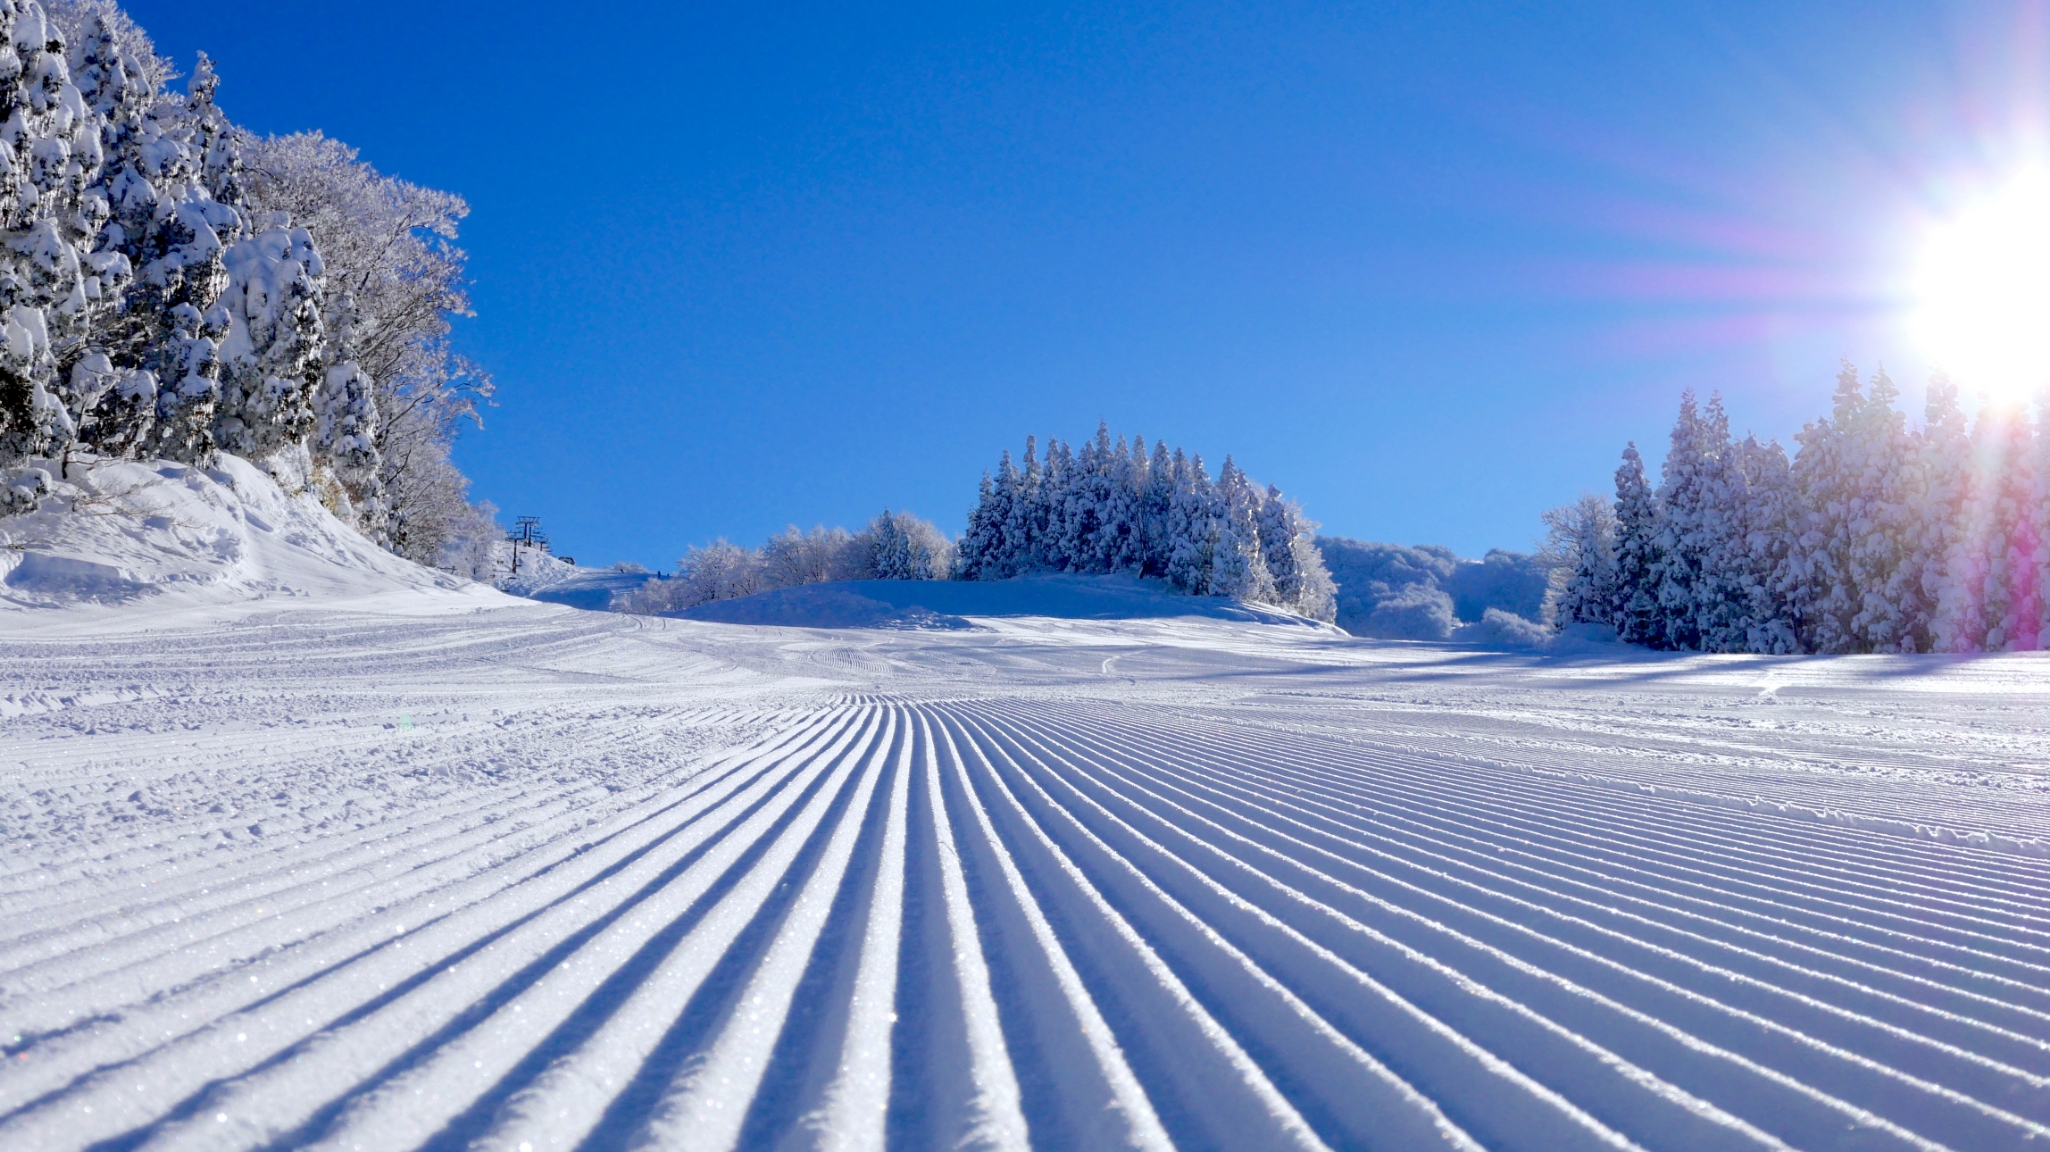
{"x":551,"y":580}
{"x":158,"y":535}
{"x":292,"y":875}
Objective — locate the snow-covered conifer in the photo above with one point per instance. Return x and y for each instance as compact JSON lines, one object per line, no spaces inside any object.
{"x":1637,"y":553}
{"x":1191,"y":532}
{"x":49,"y":294}
{"x":272,"y":357}
{"x":981,"y":546}
{"x":1756,"y":556}
{"x":900,"y":546}
{"x":1238,"y":563}
{"x":1943,"y":468}
{"x":1156,"y":505}
{"x":1683,"y":585}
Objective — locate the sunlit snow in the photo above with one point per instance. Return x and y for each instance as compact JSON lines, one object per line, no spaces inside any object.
{"x":440,"y":869}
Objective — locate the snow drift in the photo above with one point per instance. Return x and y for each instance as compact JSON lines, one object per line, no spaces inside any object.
{"x":125,"y":531}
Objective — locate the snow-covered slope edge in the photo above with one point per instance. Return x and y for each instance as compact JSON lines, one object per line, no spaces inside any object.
{"x":117,"y":533}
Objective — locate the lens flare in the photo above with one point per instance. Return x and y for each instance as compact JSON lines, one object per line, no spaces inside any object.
{"x":1982,"y":291}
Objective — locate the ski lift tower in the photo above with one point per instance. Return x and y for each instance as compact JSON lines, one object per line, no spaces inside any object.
{"x":526,"y":533}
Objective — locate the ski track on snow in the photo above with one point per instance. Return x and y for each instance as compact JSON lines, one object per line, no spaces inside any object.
{"x":538,"y":879}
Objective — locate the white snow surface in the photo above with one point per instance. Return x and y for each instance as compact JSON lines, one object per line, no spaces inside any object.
{"x":549,"y":578}
{"x":406,"y":870}
{"x":127,"y":541}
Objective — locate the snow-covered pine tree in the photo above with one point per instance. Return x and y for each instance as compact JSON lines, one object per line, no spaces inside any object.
{"x":2000,"y":524}
{"x":1156,"y":504}
{"x":1944,"y":453}
{"x":1238,"y":564}
{"x":1087,"y":504}
{"x":1721,"y":606}
{"x":1827,"y":475}
{"x":1288,"y":542}
{"x":1137,"y":481}
{"x":1637,"y":617}
{"x":1191,"y":531}
{"x":1877,"y":487}
{"x":1117,"y":539}
{"x":163,"y":222}
{"x":1760,"y":564}
{"x":1279,"y":523}
{"x":900,"y":546}
{"x":273,"y":354}
{"x":1059,"y":540}
{"x":1026,"y":527}
{"x":2039,"y":468}
{"x":1685,"y":511}
{"x":980,"y":545}
{"x":50,"y":297}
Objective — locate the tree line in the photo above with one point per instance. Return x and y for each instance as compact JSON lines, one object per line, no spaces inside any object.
{"x":1107,"y":508}
{"x":1112,"y":507}
{"x":174,"y":286}
{"x":894,"y":546}
{"x":1874,"y":537}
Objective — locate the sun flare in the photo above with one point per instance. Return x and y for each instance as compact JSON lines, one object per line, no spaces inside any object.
{"x":1982,"y":289}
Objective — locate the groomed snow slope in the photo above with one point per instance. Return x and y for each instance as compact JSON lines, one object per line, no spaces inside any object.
{"x":530,"y":877}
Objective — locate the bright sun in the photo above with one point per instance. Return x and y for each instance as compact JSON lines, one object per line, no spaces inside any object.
{"x":1982,"y":292}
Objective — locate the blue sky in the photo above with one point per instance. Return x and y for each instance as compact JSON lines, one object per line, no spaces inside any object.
{"x":1426,"y":266}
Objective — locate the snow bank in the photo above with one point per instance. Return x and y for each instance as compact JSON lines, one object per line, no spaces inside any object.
{"x":546,"y":578}
{"x":948,"y":603}
{"x":121,"y":532}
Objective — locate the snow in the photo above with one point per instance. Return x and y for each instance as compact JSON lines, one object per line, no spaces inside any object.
{"x":548,"y":578}
{"x":415,"y":867}
{"x":950,"y":603}
{"x":127,"y":542}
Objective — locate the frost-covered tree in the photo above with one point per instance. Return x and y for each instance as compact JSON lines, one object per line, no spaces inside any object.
{"x":1683,"y":585}
{"x":1755,"y":557}
{"x":51,"y":293}
{"x":1638,"y":619}
{"x":1115,"y":507}
{"x":1581,"y":549}
{"x":1288,"y":542}
{"x":900,"y":546}
{"x":1238,"y":564}
{"x":1998,"y":601}
{"x":1875,"y":537}
{"x":720,"y":570}
{"x":1943,"y":463}
{"x":791,"y":558}
{"x":159,"y":297}
{"x":395,"y":284}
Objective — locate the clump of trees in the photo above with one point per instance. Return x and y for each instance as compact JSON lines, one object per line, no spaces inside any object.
{"x":894,"y":546}
{"x":1112,"y":507}
{"x":1874,"y":537}
{"x":1108,"y":508}
{"x":174,"y":286}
